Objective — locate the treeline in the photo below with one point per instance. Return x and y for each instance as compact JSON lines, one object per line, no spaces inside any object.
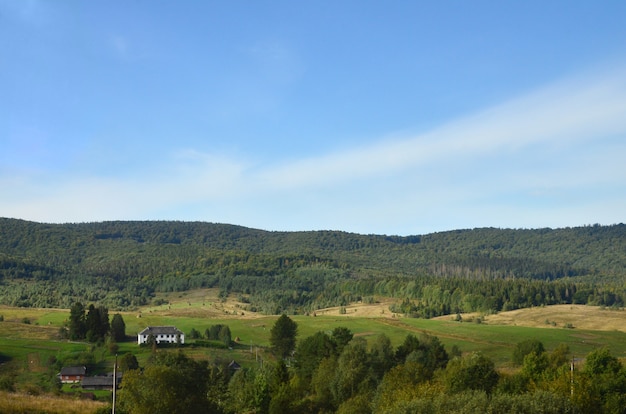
{"x":121,"y":265}
{"x":334,"y":372}
{"x":219,"y":332}
{"x":92,"y":324}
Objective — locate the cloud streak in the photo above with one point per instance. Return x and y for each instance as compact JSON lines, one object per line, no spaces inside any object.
{"x":562,"y":115}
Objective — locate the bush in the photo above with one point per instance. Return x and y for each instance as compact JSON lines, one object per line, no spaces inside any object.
{"x":209,"y":344}
{"x":194,"y":334}
{"x":113,"y":348}
{"x":527,"y":347}
{"x":7,"y":383}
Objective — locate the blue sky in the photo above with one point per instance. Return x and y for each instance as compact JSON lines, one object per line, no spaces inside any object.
{"x":395,"y":117}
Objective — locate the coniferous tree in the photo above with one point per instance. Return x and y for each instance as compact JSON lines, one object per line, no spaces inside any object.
{"x":224,"y":335}
{"x":77,"y":328}
{"x":92,"y":320}
{"x":97,"y":323}
{"x":128,"y":362}
{"x":283,"y":336}
{"x":118,"y":328}
{"x":104,"y":327}
{"x":341,"y":336}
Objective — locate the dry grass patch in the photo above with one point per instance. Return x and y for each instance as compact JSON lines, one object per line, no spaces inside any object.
{"x":201,"y":303}
{"x":362,"y":310}
{"x":28,"y":331}
{"x":23,"y":403}
{"x":560,"y":316}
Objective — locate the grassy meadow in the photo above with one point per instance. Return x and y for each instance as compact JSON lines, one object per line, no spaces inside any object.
{"x":29,"y":338}
{"x":35,"y":331}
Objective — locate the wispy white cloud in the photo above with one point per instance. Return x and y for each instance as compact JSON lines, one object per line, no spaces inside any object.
{"x":561,"y":115}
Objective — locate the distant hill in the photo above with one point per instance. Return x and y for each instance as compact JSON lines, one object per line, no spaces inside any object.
{"x":123,"y":263}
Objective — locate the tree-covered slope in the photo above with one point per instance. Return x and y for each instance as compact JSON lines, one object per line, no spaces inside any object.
{"x":123,"y":264}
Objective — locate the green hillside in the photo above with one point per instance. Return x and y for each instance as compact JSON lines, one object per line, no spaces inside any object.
{"x":123,"y":264}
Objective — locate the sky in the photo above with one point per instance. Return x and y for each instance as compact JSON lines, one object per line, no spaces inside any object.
{"x":375,"y":117}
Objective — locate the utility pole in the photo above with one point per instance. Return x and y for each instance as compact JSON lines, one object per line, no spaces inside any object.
{"x":571,"y":387}
{"x":114,"y":383}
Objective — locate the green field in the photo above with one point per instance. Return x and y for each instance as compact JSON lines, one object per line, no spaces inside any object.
{"x":32,"y":352}
{"x":20,"y":341}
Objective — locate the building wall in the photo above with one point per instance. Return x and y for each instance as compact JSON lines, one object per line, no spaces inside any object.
{"x":71,"y":378}
{"x":142,"y":339}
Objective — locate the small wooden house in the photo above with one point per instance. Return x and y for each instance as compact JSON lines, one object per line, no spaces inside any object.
{"x":72,"y":374}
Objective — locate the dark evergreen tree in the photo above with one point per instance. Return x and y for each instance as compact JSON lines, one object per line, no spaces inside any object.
{"x":224,"y":335}
{"x":78,"y":328}
{"x":283,"y":336}
{"x":118,"y":328}
{"x":128,"y":361}
{"x":92,"y":323}
{"x":97,"y":323}
{"x":433,"y":354}
{"x":341,"y":336}
{"x":212,"y":333}
{"x":410,"y":344}
{"x":104,"y":327}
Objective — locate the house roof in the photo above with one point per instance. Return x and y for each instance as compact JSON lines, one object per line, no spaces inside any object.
{"x":73,"y":371}
{"x":161,"y":330}
{"x":101,"y":380}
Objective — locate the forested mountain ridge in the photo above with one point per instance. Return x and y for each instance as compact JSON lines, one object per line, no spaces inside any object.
{"x":122,"y":264}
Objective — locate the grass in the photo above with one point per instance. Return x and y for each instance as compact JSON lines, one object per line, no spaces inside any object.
{"x":30,"y":346}
{"x":200,"y":309}
{"x":497,"y":341}
{"x":20,"y":349}
{"x":17,"y":403}
{"x":36,"y":316}
{"x":75,"y":391}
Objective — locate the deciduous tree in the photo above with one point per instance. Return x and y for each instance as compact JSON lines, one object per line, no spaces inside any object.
{"x":526,"y":347}
{"x":471,"y":372}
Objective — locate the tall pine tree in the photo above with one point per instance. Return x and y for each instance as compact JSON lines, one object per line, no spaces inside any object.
{"x":118,"y":328}
{"x":78,"y":328}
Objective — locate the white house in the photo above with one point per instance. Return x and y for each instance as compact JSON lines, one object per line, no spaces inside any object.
{"x":168,"y":334}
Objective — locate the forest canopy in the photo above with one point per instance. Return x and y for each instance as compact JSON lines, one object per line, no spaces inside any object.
{"x":121,"y":265}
